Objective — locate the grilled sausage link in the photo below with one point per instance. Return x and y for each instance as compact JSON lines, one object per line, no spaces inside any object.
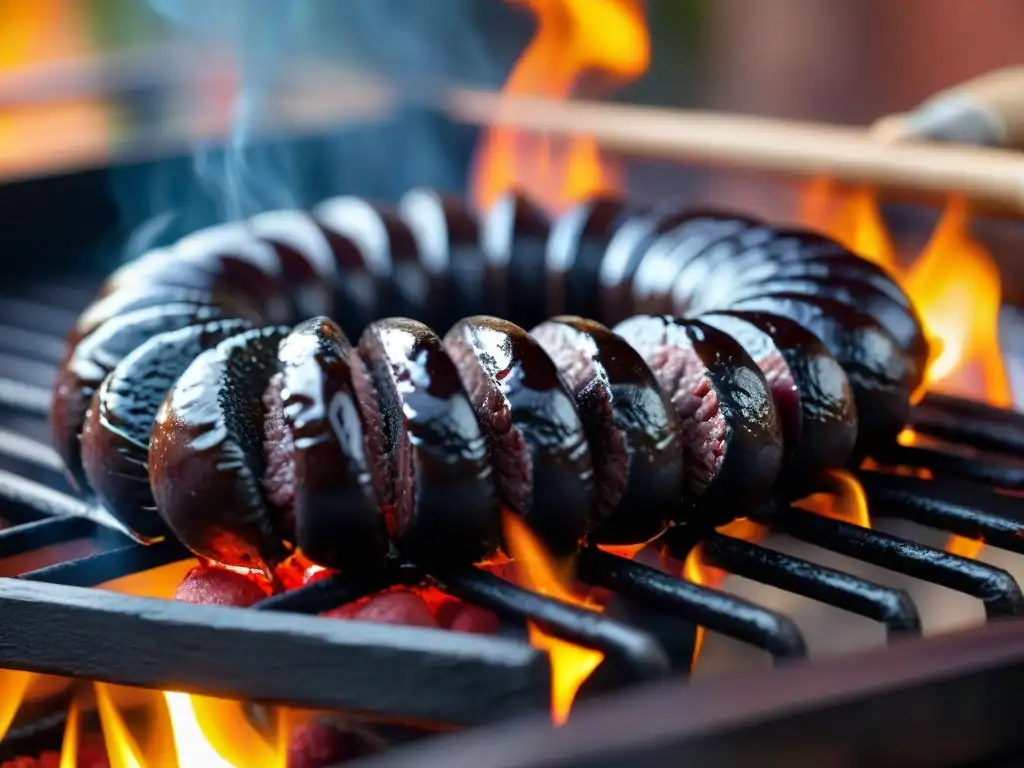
{"x":729,"y":360}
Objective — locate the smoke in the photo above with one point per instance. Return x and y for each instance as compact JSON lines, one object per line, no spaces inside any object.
{"x":250,"y":167}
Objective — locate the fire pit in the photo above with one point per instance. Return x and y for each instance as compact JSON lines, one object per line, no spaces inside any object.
{"x":818,"y":610}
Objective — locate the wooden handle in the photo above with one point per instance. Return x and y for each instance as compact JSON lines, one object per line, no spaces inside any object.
{"x":991,"y":179}
{"x":986,"y":111}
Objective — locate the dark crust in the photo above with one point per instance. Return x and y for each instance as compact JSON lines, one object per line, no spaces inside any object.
{"x":129,"y":299}
{"x":753,"y":447}
{"x":338,"y":522}
{"x":879,"y":373}
{"x":901,"y":322}
{"x":639,"y":230}
{"x":210,"y":272}
{"x":517,"y":392}
{"x":307,"y":263}
{"x":447,"y":237}
{"x":667,"y":281}
{"x":828,"y":414}
{"x":574,"y":252}
{"x":630,"y":424}
{"x":206,"y":458}
{"x":115,"y":438}
{"x":446,"y":506}
{"x":513,"y":237}
{"x":89,"y":362}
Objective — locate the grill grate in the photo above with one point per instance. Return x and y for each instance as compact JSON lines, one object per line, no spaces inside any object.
{"x":57,"y":622}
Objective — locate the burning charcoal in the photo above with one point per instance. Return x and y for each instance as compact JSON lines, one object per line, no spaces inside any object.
{"x":319,"y":457}
{"x":206,"y":460}
{"x":91,"y":754}
{"x":460,"y":616}
{"x":543,"y":465}
{"x":732,"y":441}
{"x":115,"y":437}
{"x":393,"y":607}
{"x":323,"y":743}
{"x":208,"y":585}
{"x":96,"y":356}
{"x":439,"y":487}
{"x":630,"y":425}
{"x":475,"y":620}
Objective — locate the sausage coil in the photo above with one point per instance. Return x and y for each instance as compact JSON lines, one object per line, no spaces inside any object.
{"x":728,"y":360}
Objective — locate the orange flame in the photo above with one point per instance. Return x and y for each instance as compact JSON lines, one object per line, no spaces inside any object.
{"x":537,"y":570}
{"x":13,"y":686}
{"x":847,"y":503}
{"x":69,"y":745}
{"x":955,"y":286}
{"x":573,"y":38}
{"x":697,"y":571}
{"x":183,"y":730}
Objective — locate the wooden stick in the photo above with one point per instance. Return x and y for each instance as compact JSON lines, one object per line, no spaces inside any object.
{"x":992,"y":180}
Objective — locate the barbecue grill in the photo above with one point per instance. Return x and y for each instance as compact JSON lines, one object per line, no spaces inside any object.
{"x":58,"y":622}
{"x":943,"y":700}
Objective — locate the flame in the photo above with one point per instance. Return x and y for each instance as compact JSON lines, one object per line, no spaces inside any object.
{"x":13,"y":686}
{"x":122,"y":748}
{"x":537,"y":570}
{"x":194,"y":735}
{"x":697,"y":571}
{"x":956,"y":287}
{"x":953,"y":283}
{"x":573,"y":38}
{"x":848,"y":502}
{"x":69,"y":746}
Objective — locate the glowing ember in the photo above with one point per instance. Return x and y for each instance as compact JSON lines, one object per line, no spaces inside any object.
{"x":536,"y":570}
{"x":573,"y":38}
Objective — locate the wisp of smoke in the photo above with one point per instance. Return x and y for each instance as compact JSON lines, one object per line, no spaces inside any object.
{"x":410,"y":43}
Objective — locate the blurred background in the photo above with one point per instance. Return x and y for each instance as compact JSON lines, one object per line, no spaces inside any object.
{"x":126,"y":119}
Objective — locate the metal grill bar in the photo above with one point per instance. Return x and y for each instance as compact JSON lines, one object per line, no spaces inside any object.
{"x":893,"y":607}
{"x":984,"y":430}
{"x":945,"y":464}
{"x":966,"y":509}
{"x":996,"y":588}
{"x":717,"y":611}
{"x":44,"y":533}
{"x":458,"y":678}
{"x":636,"y":652}
{"x":107,"y":566}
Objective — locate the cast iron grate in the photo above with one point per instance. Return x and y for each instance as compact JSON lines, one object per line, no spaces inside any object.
{"x":57,"y":622}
